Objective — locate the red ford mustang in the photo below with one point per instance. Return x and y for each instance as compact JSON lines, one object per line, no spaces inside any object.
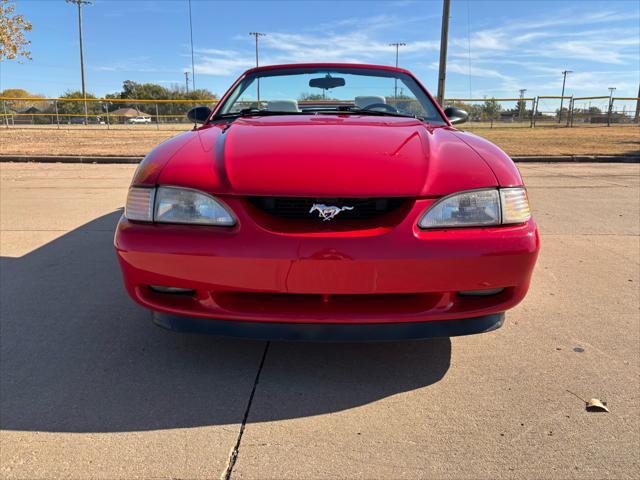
{"x":327,"y":201}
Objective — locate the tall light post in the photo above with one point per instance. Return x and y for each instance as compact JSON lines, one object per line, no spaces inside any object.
{"x":521,"y":109}
{"x":79,"y":3}
{"x":258,"y":35}
{"x":610,"y":109}
{"x":564,"y":80}
{"x":193,"y":63}
{"x":444,"y":35}
{"x":397,"y":45}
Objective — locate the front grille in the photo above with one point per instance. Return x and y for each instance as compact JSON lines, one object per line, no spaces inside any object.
{"x":299,"y":207}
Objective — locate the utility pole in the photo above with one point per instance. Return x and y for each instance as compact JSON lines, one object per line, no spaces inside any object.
{"x":193,"y":67}
{"x":397,"y":45}
{"x":186,"y":80}
{"x":258,"y":35}
{"x":444,"y":35}
{"x":79,"y":3}
{"x":637,"y":117}
{"x":609,"y":111}
{"x":564,"y":80}
{"x":521,"y":109}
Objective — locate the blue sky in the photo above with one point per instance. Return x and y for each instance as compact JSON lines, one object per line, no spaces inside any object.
{"x":505,"y":45}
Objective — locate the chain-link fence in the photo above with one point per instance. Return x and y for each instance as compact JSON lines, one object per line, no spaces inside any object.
{"x":98,"y":113}
{"x":171,"y":114}
{"x":495,"y":112}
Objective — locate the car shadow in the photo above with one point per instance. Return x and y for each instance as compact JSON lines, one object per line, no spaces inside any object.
{"x":77,"y":355}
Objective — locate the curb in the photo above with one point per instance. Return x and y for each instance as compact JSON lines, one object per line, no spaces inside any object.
{"x":578,"y":159}
{"x":137,"y":159}
{"x":67,"y":159}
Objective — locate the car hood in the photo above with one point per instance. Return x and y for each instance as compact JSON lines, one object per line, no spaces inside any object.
{"x":323,"y":156}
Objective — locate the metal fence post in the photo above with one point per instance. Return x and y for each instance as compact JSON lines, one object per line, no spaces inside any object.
{"x":534,"y":111}
{"x":609,"y":112}
{"x":108,"y":119}
{"x":572,"y":106}
{"x":55,"y":105}
{"x":570,"y":111}
{"x":157,"y":118}
{"x":6,"y":116}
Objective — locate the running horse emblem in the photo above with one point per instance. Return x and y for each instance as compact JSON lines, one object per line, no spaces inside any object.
{"x":327,"y":212}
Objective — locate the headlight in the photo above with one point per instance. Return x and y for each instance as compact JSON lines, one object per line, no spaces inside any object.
{"x":176,"y":205}
{"x":478,"y":208}
{"x":180,"y":205}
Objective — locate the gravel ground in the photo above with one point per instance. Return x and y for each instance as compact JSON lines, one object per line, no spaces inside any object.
{"x":138,"y":140}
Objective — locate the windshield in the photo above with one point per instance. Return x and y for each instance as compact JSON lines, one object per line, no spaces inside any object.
{"x":330,"y":90}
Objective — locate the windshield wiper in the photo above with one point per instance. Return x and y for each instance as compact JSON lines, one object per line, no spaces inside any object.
{"x":363,"y":111}
{"x":249,"y":112}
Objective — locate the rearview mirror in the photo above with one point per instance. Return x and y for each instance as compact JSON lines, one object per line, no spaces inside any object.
{"x":199,"y":114}
{"x":456,"y":115}
{"x":327,"y":82}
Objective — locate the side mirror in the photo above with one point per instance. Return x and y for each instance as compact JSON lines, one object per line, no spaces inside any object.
{"x":199,"y":114}
{"x":456,"y":115}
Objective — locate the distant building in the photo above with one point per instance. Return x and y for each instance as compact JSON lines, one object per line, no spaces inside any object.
{"x":28,"y":115}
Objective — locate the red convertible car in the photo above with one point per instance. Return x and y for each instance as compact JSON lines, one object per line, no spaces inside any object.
{"x":327,"y":201}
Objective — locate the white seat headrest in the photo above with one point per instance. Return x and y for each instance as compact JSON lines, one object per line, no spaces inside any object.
{"x":365,"y":101}
{"x":283,"y":106}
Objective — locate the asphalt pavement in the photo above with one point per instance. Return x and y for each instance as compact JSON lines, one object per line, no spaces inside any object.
{"x":90,"y":388}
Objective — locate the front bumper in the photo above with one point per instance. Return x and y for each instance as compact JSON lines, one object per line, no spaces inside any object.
{"x":330,"y":332}
{"x":393,"y":274}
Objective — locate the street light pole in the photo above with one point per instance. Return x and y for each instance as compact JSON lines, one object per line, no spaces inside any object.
{"x":79,"y":3}
{"x":397,"y":45}
{"x":444,"y":35}
{"x":611,"y":90}
{"x":258,"y":35}
{"x":564,"y":79}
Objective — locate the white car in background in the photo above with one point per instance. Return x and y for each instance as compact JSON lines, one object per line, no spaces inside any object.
{"x":139,"y":119}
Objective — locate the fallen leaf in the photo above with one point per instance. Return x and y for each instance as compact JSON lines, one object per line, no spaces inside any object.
{"x":595,"y":405}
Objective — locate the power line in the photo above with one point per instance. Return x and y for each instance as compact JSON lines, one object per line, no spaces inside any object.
{"x":564,"y":80}
{"x":397,"y":45}
{"x":80,"y":3}
{"x":444,"y":34}
{"x":258,"y":35}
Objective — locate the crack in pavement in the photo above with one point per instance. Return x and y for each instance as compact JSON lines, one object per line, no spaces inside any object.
{"x":233,"y":457}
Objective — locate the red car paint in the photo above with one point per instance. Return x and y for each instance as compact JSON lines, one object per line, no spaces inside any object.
{"x":268,"y":269}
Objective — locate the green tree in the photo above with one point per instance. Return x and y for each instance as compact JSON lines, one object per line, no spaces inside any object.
{"x":152,"y":91}
{"x":77,"y":107}
{"x":310,"y":97}
{"x":491,"y":110}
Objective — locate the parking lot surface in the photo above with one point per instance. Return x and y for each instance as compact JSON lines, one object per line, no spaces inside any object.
{"x":90,"y":388}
